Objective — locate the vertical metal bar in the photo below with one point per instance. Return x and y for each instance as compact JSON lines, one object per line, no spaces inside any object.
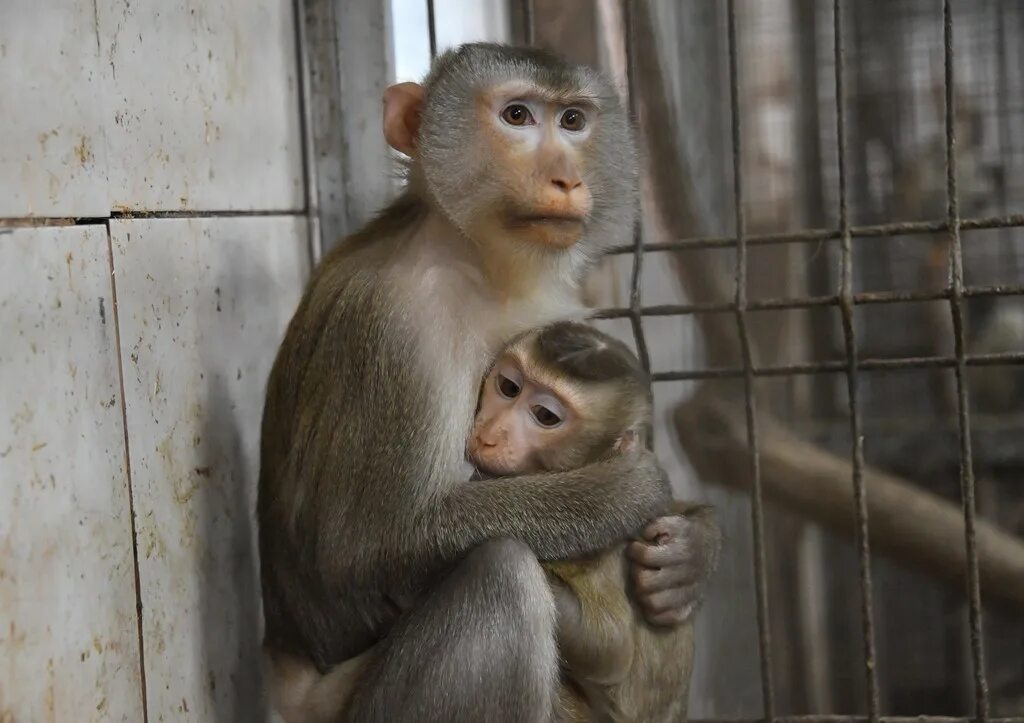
{"x":1003,"y":134}
{"x":309,"y":176}
{"x":432,"y":29}
{"x":850,"y":337}
{"x":757,"y":503}
{"x":635,"y":318}
{"x":528,"y":30}
{"x":956,"y":310}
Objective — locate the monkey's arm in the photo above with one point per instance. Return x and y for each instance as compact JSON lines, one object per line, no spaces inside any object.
{"x":672,"y":562}
{"x":595,"y":618}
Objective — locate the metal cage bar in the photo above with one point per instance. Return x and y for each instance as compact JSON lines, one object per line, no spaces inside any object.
{"x":432,"y":29}
{"x":967,"y":485}
{"x":635,"y":315}
{"x":807,"y":302}
{"x":872,"y":231}
{"x":842,"y":365}
{"x":861,"y":538}
{"x":757,"y":500}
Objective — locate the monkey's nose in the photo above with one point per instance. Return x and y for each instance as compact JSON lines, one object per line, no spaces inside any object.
{"x":485,"y":442}
{"x":566,"y":183}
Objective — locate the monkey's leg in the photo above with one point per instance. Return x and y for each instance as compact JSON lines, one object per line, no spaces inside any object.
{"x":480,"y":646}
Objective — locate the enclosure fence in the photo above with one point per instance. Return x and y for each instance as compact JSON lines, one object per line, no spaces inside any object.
{"x":851,"y":365}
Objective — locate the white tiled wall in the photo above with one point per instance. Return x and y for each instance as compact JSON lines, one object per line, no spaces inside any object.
{"x":204,"y":303}
{"x":68,"y":628}
{"x":109,"y":107}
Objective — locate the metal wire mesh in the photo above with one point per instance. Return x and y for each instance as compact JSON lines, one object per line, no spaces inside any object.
{"x":851,"y":241}
{"x":851,"y":364}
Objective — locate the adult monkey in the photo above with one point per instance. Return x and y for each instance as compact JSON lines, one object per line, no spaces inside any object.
{"x":522,"y":172}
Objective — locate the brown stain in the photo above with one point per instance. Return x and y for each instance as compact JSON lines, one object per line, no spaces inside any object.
{"x":38,"y":446}
{"x":45,"y":137}
{"x":53,"y":185}
{"x":83,"y":151}
{"x":71,"y":279}
{"x":50,"y":695}
{"x":154,"y":544}
{"x":15,"y":637}
{"x":184,"y":489}
{"x":156,"y":634}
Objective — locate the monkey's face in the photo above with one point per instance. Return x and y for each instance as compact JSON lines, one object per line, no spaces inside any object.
{"x":533,"y":419}
{"x":518,"y":420}
{"x":523,"y":150}
{"x":538,"y":146}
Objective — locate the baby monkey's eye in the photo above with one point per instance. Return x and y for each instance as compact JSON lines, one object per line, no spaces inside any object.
{"x":574,"y":120}
{"x":517,"y":114}
{"x":544,"y":416}
{"x":508,"y":388}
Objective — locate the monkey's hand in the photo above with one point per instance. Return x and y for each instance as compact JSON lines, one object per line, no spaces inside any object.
{"x":671,"y":563}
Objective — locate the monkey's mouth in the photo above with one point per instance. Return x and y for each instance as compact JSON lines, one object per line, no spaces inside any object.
{"x":554,"y":219}
{"x":486,"y":469}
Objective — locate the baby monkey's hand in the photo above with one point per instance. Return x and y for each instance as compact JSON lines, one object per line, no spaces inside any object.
{"x":671,"y":563}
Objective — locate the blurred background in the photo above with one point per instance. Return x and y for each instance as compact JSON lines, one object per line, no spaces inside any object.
{"x":170,"y":171}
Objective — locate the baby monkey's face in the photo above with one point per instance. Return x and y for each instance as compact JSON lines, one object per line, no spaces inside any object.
{"x":520,"y":417}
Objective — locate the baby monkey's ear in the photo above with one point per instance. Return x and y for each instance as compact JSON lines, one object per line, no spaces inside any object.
{"x":632,"y":440}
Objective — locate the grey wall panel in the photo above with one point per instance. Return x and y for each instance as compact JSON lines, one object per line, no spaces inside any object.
{"x":203,"y":109}
{"x":68,"y":626}
{"x":53,"y":153}
{"x":203,"y":304}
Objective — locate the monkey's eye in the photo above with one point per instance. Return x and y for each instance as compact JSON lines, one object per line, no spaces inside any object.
{"x":517,"y":114}
{"x":574,"y":120}
{"x":507,"y":388}
{"x":544,"y":416}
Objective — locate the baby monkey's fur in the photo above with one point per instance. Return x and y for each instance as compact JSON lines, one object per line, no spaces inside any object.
{"x":617,"y":667}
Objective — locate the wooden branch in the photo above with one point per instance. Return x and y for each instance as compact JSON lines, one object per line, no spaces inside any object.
{"x":908,"y":524}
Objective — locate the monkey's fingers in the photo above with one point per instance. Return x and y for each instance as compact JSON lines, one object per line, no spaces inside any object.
{"x":671,"y":618}
{"x":667,"y":555}
{"x":665,"y":528}
{"x":668,"y":607}
{"x":647,"y":581}
{"x":674,"y":552}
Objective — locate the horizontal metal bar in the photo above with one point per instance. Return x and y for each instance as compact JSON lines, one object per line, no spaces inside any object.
{"x":124,"y":213}
{"x":905,"y":228}
{"x":841,"y":365}
{"x":858,"y":719}
{"x":807,"y":302}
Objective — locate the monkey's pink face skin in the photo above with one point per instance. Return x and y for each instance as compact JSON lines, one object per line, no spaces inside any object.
{"x":539,"y":146}
{"x":518,"y":418}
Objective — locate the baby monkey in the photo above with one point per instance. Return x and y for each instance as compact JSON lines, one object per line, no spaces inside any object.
{"x":557,"y":399}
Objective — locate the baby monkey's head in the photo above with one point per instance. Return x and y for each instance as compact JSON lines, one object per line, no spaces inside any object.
{"x":557,"y":399}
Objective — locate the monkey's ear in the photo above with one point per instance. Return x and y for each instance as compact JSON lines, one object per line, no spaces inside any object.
{"x":630,"y":441}
{"x":402,"y":105}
